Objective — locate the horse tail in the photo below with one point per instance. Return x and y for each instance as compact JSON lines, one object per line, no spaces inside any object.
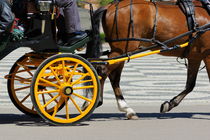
{"x":94,"y":47}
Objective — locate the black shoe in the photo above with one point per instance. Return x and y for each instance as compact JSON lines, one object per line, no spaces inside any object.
{"x":75,"y":37}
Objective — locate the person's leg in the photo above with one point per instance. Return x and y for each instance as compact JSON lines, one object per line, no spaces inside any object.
{"x":71,"y":14}
{"x":6,"y":16}
{"x":72,"y":21}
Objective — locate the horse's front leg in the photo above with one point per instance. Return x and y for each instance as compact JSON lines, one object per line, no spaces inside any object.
{"x":114,"y":77}
{"x":192,"y":71}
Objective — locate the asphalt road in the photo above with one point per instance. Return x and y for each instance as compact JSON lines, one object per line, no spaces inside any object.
{"x":188,"y":122}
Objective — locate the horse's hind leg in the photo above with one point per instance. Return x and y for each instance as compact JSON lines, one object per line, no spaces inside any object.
{"x":192,"y":71}
{"x":114,"y":77}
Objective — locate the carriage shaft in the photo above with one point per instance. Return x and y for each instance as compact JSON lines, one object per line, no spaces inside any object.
{"x":113,"y":61}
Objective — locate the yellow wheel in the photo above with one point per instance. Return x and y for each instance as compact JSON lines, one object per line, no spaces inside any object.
{"x":65,"y":77}
{"x":19,"y":80}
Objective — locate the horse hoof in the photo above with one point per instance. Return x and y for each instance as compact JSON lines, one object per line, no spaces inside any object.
{"x":132,"y":116}
{"x":164,"y":107}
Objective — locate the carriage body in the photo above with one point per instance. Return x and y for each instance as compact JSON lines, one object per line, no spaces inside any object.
{"x":59,"y":98}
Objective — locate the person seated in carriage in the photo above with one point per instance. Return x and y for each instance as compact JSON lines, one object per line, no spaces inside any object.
{"x":6,"y":16}
{"x":72,"y":20}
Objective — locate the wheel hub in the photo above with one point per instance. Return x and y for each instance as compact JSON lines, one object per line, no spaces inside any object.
{"x":68,"y":90}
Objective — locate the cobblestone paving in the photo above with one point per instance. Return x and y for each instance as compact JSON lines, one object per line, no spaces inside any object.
{"x":150,"y":79}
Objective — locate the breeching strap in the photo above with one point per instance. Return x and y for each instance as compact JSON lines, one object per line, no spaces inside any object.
{"x":130,"y":27}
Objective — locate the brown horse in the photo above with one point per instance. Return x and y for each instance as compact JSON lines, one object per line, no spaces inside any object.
{"x":170,"y":23}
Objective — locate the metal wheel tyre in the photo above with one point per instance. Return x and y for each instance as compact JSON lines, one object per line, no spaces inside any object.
{"x":65,"y":77}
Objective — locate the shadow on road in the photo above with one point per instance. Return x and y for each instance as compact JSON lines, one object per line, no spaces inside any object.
{"x":19,"y":119}
{"x":24,"y":120}
{"x":121,"y":116}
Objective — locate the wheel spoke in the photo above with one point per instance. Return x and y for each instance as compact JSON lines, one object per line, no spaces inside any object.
{"x":56,"y":76}
{"x":72,"y":72}
{"x":44,"y":101}
{"x":82,"y":97}
{"x":50,"y":83}
{"x":67,"y":109}
{"x":17,"y":89}
{"x":75,"y":104}
{"x":84,"y":81}
{"x":55,"y":110}
{"x":21,"y":71}
{"x":64,"y":71}
{"x":52,"y":97}
{"x":28,"y":70}
{"x":48,"y":91}
{"x":21,"y":79}
{"x":82,"y":77}
{"x":24,"y":98}
{"x":50,"y":101}
{"x":84,"y":87}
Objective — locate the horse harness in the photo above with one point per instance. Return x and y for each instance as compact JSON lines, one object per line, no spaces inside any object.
{"x":188,"y":8}
{"x":193,"y":33}
{"x":131,"y":30}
